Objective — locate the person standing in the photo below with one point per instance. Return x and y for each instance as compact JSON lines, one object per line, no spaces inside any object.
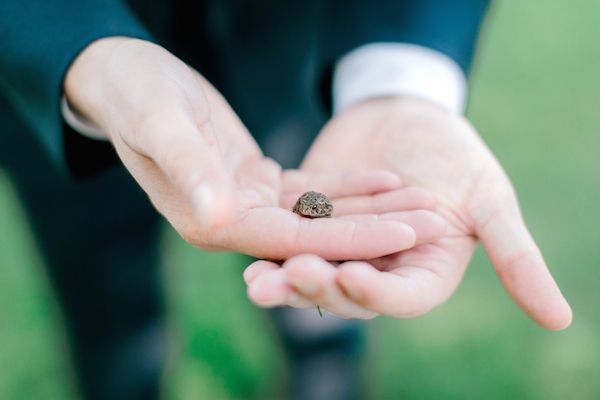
{"x":95,"y":64}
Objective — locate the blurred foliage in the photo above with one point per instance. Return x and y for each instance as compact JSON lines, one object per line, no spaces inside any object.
{"x":535,"y":93}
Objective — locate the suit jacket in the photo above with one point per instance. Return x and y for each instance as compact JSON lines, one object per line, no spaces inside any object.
{"x":272,"y":59}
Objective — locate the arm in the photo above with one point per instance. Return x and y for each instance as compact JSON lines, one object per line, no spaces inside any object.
{"x":450,"y":27}
{"x":172,"y":130}
{"x":427,"y":50}
{"x":39,"y":40}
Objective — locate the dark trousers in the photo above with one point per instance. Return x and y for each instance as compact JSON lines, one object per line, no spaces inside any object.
{"x":99,"y":240}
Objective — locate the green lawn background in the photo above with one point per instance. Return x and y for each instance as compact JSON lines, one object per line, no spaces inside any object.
{"x":535,"y":98}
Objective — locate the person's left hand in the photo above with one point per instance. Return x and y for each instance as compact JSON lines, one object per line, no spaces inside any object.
{"x":441,"y":152}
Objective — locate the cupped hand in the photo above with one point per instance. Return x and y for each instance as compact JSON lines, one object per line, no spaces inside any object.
{"x":441,"y":152}
{"x":201,"y":168}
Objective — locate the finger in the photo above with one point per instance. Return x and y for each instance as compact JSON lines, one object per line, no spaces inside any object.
{"x":257,"y":268}
{"x":189,"y":156}
{"x":261,"y":169}
{"x":403,"y":293}
{"x":406,"y":198}
{"x":259,"y":185}
{"x":428,"y":226}
{"x":274,"y":233}
{"x":315,"y":280}
{"x":522,"y":270}
{"x":296,"y":182}
{"x":271,"y":289}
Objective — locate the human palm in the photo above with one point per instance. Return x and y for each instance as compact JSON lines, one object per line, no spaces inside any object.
{"x":203,"y":171}
{"x":433,"y":149}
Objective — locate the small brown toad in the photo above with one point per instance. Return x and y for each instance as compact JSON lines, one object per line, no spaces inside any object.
{"x":313,"y":205}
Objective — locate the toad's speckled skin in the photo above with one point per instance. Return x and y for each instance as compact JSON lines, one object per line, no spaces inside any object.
{"x":313,"y":205}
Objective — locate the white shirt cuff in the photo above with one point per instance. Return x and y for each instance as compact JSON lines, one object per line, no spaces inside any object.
{"x":398,"y":69}
{"x":80,"y":123}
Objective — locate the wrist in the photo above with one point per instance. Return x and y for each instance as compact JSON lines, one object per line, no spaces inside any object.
{"x":380,"y":70}
{"x":84,"y":83}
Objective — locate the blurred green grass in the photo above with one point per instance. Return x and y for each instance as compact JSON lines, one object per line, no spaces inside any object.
{"x":535,"y":96}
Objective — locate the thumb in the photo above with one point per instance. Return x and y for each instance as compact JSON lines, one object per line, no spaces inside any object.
{"x":521,"y":268}
{"x":188,"y":154}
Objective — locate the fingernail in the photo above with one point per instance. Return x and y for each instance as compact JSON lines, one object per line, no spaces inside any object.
{"x":305,"y":287}
{"x":203,"y":202}
{"x":267,"y":289}
{"x":249,"y":276}
{"x":256,"y":290}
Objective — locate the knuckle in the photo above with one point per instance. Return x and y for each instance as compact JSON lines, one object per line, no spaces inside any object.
{"x":321,"y":294}
{"x":493,"y":202}
{"x":508,"y":270}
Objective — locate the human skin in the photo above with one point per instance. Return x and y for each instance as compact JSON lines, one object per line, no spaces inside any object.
{"x":431,"y":148}
{"x":203,"y":171}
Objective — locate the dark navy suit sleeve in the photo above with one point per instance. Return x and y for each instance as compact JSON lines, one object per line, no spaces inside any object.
{"x":38,"y":41}
{"x":448,"y":26}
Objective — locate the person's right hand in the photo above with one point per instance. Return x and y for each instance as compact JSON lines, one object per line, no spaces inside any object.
{"x":430,"y":148}
{"x":202,"y":170}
